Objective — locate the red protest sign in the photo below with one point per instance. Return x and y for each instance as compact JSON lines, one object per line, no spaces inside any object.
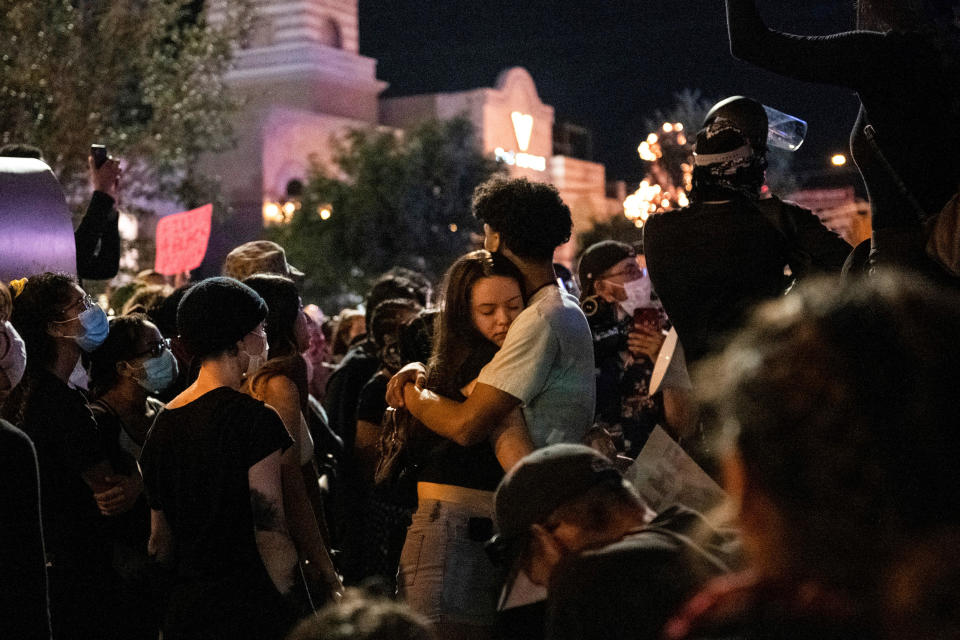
{"x":182,"y":240}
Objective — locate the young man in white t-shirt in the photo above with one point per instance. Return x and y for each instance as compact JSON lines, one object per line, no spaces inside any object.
{"x":545,"y":365}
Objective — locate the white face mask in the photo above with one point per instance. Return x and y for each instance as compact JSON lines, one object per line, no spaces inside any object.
{"x":13,"y":354}
{"x":255,"y":360}
{"x":638,"y":295}
{"x":79,"y":378}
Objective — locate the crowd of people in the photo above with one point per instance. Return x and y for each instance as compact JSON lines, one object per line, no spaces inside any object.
{"x":483,"y":457}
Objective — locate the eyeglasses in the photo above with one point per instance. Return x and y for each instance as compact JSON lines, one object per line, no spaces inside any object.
{"x":156,"y":348}
{"x":87,"y":302}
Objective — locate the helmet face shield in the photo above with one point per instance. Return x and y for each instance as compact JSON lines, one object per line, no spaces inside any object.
{"x":764,"y":126}
{"x":783,"y":130}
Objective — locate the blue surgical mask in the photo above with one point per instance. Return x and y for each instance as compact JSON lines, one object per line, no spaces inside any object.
{"x":96,"y":326}
{"x":159,"y":372}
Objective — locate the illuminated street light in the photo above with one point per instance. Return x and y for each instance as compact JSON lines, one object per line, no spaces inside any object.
{"x":272,"y":214}
{"x":838,"y":160}
{"x":324,"y":211}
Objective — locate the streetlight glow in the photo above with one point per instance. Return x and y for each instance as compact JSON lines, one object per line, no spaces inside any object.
{"x":838,"y":160}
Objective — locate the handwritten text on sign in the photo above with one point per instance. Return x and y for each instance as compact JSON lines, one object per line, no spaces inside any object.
{"x":182,"y":240}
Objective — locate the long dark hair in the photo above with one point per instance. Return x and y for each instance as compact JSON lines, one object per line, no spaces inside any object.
{"x":283,"y":304}
{"x":459,"y":350}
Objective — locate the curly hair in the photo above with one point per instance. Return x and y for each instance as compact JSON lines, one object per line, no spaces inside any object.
{"x":530,"y":216}
{"x":841,"y":402}
{"x":42,"y":301}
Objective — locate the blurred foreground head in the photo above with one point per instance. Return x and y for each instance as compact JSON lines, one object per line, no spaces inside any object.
{"x":363,"y":617}
{"x":839,"y":406}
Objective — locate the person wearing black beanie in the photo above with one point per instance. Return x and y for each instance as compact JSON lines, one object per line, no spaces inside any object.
{"x":212,"y":466}
{"x":216,"y":313}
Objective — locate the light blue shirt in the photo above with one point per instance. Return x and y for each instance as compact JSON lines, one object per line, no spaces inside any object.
{"x":546,"y":362}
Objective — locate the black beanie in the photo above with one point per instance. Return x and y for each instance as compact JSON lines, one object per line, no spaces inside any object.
{"x":598,"y":258}
{"x":216,"y":313}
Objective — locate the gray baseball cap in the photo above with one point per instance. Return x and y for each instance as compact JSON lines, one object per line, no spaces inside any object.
{"x":540,"y":483}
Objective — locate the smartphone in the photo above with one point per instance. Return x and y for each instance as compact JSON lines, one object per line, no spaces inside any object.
{"x":99,"y":153}
{"x":649,"y":316}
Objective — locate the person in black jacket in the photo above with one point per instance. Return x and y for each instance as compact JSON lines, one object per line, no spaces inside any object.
{"x":711,"y":261}
{"x":98,"y":237}
{"x":25,"y":613}
{"x":903,"y":61}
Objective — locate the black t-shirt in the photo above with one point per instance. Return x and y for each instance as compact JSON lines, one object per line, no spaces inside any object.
{"x":67,"y":440}
{"x":474,"y":467}
{"x":446,"y":462}
{"x":629,"y":589}
{"x":23,"y":607}
{"x":343,"y":390}
{"x":195,"y":464}
{"x":132,"y":527}
{"x":373,"y":398}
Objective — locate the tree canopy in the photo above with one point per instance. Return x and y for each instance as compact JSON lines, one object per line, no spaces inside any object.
{"x":398,"y":199}
{"x":144,"y":77}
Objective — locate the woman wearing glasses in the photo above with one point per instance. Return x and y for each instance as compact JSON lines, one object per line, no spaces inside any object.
{"x":58,"y":322}
{"x":133,"y":362}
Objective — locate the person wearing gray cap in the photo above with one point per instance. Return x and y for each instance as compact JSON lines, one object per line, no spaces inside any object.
{"x":613,"y":569}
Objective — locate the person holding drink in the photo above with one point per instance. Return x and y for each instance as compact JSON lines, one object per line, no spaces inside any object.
{"x":627,"y":327}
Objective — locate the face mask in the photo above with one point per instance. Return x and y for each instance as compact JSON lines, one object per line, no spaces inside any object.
{"x":638,"y":294}
{"x":159,"y":372}
{"x":95,"y":328}
{"x":255,"y":360}
{"x":79,"y":378}
{"x":13,"y":362}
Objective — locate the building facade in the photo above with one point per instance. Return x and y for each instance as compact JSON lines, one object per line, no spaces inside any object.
{"x":305,"y":84}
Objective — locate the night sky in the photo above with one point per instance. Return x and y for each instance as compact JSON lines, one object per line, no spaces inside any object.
{"x":605,"y":64}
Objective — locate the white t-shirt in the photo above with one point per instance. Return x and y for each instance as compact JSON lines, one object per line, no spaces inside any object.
{"x":546,"y":362}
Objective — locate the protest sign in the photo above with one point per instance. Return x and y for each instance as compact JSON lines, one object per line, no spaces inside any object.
{"x":182,"y":240}
{"x":664,"y":475}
